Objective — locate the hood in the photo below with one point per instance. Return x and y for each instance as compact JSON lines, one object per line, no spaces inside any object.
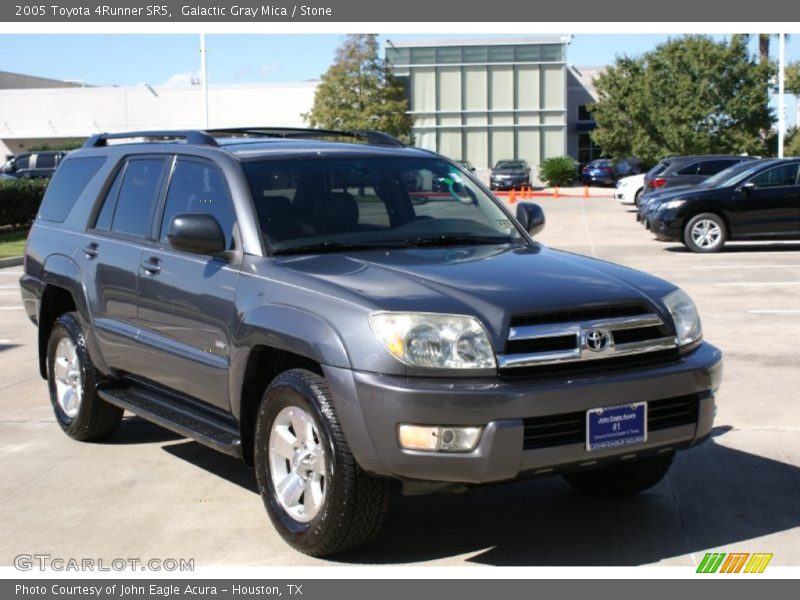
{"x":492,"y":283}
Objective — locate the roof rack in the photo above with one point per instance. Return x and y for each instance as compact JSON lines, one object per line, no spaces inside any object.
{"x":370,"y":136}
{"x":207,"y":138}
{"x":200,"y":138}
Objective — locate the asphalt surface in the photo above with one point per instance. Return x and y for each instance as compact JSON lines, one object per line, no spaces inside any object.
{"x":147,"y":493}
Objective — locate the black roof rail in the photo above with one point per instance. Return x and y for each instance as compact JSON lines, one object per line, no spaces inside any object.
{"x":200,"y":138}
{"x":371,"y":137}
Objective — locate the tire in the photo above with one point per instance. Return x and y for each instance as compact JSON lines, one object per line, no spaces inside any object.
{"x":350,"y":506}
{"x":636,"y":197}
{"x":72,"y":382}
{"x":716,"y":233}
{"x":622,"y":479}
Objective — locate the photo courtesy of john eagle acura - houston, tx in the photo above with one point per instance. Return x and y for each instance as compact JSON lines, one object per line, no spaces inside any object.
{"x":355,"y":319}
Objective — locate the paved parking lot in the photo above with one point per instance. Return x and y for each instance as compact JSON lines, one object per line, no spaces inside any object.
{"x":150,"y":494}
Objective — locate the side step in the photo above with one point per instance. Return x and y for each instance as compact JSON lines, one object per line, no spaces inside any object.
{"x":189,"y":421}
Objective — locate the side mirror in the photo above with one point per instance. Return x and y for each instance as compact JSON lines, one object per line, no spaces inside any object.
{"x":531,"y":216}
{"x":199,"y":233}
{"x":748,"y":187}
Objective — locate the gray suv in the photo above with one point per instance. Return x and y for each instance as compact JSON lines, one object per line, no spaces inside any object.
{"x":351,"y":317}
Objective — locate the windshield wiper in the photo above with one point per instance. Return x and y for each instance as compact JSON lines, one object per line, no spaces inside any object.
{"x":457,"y":240}
{"x":336,"y":247}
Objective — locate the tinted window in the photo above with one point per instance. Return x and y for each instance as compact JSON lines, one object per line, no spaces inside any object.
{"x":710,"y":167}
{"x":777,"y":177}
{"x":67,"y":185}
{"x":198,"y":188}
{"x":137,"y":196}
{"x":22,"y":162}
{"x":107,"y":211}
{"x":45,"y":161}
{"x":691,"y":169}
{"x":658,"y":169}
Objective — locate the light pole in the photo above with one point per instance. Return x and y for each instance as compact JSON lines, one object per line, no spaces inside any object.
{"x":781,"y":86}
{"x":204,"y":77}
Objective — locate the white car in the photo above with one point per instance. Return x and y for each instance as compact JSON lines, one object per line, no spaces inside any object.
{"x":629,"y":189}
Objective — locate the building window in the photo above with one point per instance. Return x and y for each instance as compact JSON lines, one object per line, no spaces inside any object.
{"x":587,"y":149}
{"x":583,"y":113}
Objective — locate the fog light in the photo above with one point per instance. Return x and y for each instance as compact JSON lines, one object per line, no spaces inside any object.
{"x":441,"y":439}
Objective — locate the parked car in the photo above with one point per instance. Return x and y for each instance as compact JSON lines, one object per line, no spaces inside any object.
{"x":33,"y":165}
{"x":760,"y":203}
{"x":605,"y":171}
{"x":282,"y":299}
{"x":467,"y":165}
{"x":510,"y":174}
{"x":688,"y":170}
{"x":650,"y":202}
{"x":629,"y":189}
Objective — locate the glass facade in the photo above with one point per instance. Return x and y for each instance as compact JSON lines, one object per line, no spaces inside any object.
{"x":486,"y":102}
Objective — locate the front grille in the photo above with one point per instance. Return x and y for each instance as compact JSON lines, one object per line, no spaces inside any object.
{"x":547,"y":341}
{"x":570,"y":428}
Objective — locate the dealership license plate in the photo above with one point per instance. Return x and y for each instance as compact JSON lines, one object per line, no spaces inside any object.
{"x":615,"y":426}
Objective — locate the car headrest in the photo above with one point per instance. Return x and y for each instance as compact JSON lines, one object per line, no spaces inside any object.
{"x":338,"y":213}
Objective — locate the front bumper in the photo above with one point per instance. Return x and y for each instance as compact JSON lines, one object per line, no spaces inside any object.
{"x":666,"y":228}
{"x":508,"y":184}
{"x":371,"y":406}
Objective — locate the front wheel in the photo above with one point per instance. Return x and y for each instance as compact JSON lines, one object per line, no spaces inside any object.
{"x":318,"y":498}
{"x":622,"y":479}
{"x":72,"y":381}
{"x":705,"y":233}
{"x":637,"y":198}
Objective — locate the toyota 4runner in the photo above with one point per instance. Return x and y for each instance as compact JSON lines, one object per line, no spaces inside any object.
{"x":349,"y":315}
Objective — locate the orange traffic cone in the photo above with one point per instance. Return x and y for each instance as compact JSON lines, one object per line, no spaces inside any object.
{"x":586,"y":191}
{"x":513,"y":196}
{"x":555,"y":193}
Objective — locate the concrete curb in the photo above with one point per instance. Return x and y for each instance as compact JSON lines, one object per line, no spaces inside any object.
{"x":11,"y":261}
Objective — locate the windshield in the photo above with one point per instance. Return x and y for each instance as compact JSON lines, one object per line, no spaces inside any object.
{"x":732,"y":174}
{"x":336,"y":204}
{"x":510,"y":164}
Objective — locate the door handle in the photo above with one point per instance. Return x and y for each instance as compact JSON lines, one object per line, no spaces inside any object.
{"x":91,"y":250}
{"x":152,"y":265}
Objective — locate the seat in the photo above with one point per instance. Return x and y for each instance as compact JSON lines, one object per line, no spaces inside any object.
{"x":337,"y":214}
{"x":278,"y":219}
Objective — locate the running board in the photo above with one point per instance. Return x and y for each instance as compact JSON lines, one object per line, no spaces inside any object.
{"x":184,"y":420}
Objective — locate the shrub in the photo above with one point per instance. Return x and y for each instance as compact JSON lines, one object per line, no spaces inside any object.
{"x":558,"y":171}
{"x":20,"y":200}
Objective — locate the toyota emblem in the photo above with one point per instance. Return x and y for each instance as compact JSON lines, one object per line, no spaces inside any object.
{"x":597,"y":340}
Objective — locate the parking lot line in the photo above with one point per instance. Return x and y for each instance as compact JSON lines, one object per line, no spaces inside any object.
{"x":11,"y":272}
{"x":11,"y":307}
{"x":776,"y":266}
{"x":756,"y":283}
{"x":790,"y":311}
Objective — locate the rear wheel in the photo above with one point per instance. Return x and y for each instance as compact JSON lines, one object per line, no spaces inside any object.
{"x":318,"y":498}
{"x":72,"y":381}
{"x":622,"y":479}
{"x":705,"y":233}
{"x":637,"y":197}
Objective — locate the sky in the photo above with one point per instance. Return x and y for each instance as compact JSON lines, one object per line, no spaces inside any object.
{"x":170,"y":59}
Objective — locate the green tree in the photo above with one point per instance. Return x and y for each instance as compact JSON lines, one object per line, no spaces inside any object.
{"x":690,"y":95}
{"x":792,"y":73}
{"x":359,"y":91}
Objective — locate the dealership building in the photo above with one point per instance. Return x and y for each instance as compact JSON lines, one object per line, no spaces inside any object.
{"x":480,"y":100}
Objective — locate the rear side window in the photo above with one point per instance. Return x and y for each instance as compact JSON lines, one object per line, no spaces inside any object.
{"x":45,"y":161}
{"x":712,"y":167}
{"x":129,"y":203}
{"x":67,"y":185}
{"x":691,"y":169}
{"x":199,"y":188}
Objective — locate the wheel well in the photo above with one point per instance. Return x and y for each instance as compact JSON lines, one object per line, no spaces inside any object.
{"x":264,"y":364}
{"x":694,"y":213}
{"x":55,"y":302}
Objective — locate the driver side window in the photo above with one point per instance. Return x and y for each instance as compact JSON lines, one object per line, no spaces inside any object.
{"x":782,"y":176}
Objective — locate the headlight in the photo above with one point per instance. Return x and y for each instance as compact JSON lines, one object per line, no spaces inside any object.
{"x":434,"y":340}
{"x":687,"y":322}
{"x":669,"y":205}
